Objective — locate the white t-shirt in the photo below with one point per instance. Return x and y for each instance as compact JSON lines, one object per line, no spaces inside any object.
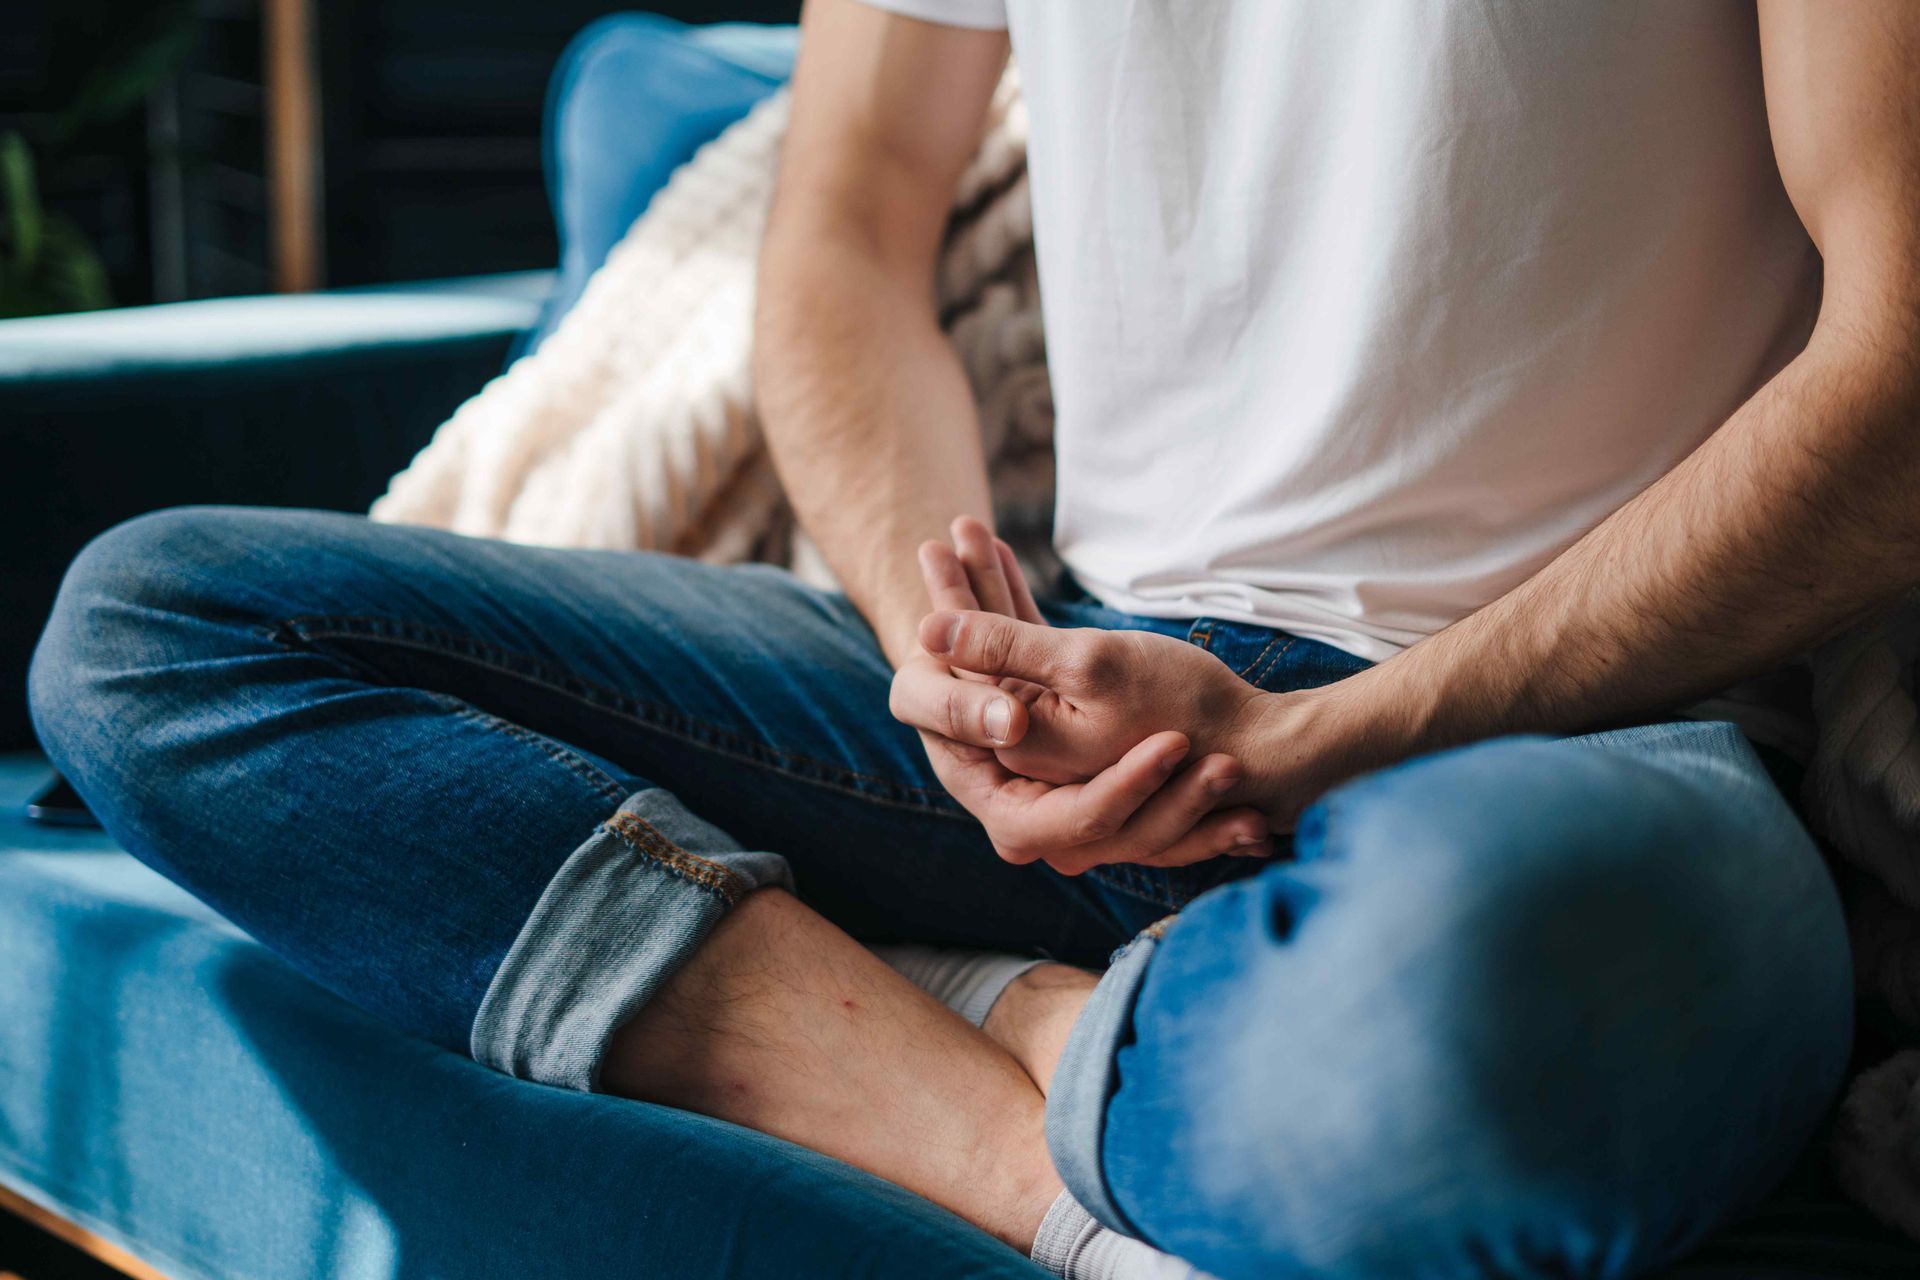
{"x":1359,"y":313}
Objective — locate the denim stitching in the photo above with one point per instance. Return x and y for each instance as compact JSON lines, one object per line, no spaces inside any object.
{"x":644,"y":839}
{"x":1202,"y":634}
{"x":578,"y":765}
{"x":1247,"y":673}
{"x":699,"y":733}
{"x":1138,"y":883}
{"x":1274,"y":664}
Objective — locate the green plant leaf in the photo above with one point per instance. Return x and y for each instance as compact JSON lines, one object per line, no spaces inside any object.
{"x":125,"y":75}
{"x":75,"y":275}
{"x":25,"y":221}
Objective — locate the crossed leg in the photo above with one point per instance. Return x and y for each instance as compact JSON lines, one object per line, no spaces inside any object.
{"x":553,"y":809}
{"x":1528,"y":1008}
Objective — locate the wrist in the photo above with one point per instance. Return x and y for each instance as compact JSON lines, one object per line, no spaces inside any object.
{"x":1296,"y":746}
{"x":897,"y":628}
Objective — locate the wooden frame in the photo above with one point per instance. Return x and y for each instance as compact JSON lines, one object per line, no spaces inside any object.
{"x":294,"y":151}
{"x":104,"y":1251}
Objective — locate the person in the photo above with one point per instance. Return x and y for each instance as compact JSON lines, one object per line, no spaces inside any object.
{"x":1450,"y":397}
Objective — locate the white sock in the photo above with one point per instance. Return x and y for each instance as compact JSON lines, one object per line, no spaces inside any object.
{"x":1071,"y":1243}
{"x":967,"y":982}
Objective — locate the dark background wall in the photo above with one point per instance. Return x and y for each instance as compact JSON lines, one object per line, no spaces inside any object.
{"x":432,"y":126}
{"x":431,"y":115}
{"x":431,"y":123}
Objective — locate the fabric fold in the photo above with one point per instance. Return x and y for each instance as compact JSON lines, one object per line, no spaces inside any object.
{"x":618,"y":919}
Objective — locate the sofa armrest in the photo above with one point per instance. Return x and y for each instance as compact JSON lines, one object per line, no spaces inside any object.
{"x":310,"y":400}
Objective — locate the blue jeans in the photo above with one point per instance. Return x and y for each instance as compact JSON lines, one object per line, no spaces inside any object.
{"x":1533,"y":1007}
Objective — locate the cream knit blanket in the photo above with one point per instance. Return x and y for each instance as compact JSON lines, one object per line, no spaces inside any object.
{"x":633,"y":427}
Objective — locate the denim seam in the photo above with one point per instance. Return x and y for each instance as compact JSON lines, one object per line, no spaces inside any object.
{"x":1248,"y":672}
{"x":699,"y":733}
{"x":572,"y":762}
{"x":1130,"y":880}
{"x":1085,"y":1082}
{"x":703,"y":873}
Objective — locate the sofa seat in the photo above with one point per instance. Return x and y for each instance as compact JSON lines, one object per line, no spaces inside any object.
{"x":172,"y":1087}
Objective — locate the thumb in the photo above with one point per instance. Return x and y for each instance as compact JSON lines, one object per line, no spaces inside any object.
{"x":995,"y":645}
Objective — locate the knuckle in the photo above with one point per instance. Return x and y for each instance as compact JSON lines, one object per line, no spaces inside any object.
{"x":1197,"y":803}
{"x":997,"y":644}
{"x":952,"y":711}
{"x":1092,"y":661}
{"x":1013,"y":853}
{"x":1089,"y":827}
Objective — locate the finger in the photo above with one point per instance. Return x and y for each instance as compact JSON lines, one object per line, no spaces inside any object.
{"x":937,"y":701}
{"x":1218,"y":835}
{"x":1001,"y":646}
{"x":975,"y":544}
{"x":1024,"y":607}
{"x":1224,"y":834}
{"x":946,"y":577}
{"x":1037,"y":821}
{"x":948,"y":588}
{"x":1100,"y":807}
{"x":1177,"y":825}
{"x":1183,"y":804}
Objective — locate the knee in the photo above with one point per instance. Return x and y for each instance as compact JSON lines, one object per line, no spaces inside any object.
{"x":116,"y":607}
{"x":1663,"y":904}
{"x":1525,"y":1005}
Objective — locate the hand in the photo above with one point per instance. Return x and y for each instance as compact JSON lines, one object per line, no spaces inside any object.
{"x":979,"y":571}
{"x":1102,"y":687}
{"x":1099,"y":691}
{"x":1043,"y":734}
{"x":1138,"y":810}
{"x":1135,"y":810}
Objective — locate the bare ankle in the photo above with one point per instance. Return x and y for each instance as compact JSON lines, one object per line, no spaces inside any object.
{"x":1033,"y":1017}
{"x":1022,"y":1171}
{"x":783,"y":1023}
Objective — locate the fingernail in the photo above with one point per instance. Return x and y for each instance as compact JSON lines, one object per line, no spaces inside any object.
{"x":999,"y":720}
{"x":1242,"y":842}
{"x":1222,"y":784}
{"x":945,"y":629}
{"x":1171,"y":759}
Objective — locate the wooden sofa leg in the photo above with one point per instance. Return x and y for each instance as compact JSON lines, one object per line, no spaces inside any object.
{"x":88,"y":1243}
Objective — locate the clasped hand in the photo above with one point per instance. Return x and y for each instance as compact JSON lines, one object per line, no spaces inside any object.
{"x":1074,"y":747}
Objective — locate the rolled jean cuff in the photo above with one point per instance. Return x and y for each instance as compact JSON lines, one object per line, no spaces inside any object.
{"x":618,"y":919}
{"x":1086,"y":1078}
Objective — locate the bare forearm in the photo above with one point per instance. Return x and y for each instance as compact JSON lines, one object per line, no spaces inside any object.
{"x":1790,"y":522}
{"x":871,"y":423}
{"x":866,"y":409}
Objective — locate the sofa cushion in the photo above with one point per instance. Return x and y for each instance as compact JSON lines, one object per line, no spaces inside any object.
{"x":304,"y":400}
{"x":633,"y":98}
{"x":171,"y":1086}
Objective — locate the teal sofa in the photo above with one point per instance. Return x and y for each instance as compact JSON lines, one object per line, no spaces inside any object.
{"x":170,"y":1087}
